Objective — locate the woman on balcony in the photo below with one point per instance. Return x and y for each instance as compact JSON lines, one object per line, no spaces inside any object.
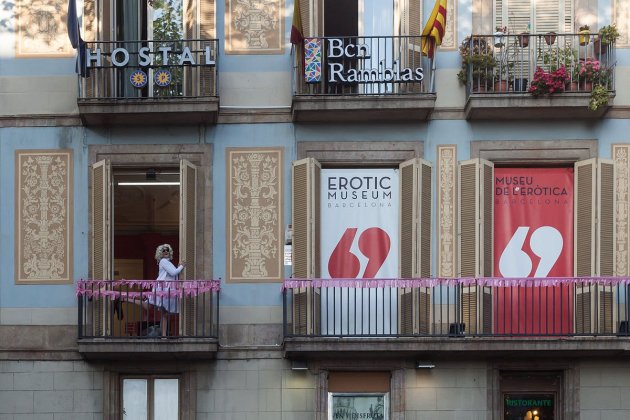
{"x":168,"y":273}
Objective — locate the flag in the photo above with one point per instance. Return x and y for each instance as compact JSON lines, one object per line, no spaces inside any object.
{"x":73,"y":24}
{"x":434,"y":29}
{"x":297,"y":32}
{"x":74,"y":33}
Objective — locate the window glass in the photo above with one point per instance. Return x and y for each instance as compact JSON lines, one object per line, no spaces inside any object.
{"x":135,"y":399}
{"x":358,"y":406}
{"x":166,"y":399}
{"x":528,"y":406}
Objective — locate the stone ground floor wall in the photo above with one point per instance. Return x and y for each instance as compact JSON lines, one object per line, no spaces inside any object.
{"x":50,"y":390}
{"x":261,"y":389}
{"x":605,"y":390}
{"x":262,"y":386}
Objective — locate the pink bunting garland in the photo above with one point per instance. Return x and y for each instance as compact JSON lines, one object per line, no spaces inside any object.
{"x":98,"y":288}
{"x":464,"y":281}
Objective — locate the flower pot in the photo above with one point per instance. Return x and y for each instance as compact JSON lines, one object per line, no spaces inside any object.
{"x":584,"y":37}
{"x":501,"y":86}
{"x":520,"y":85}
{"x":574,"y":87}
{"x":599,"y":47}
{"x":550,"y":38}
{"x":523,"y":40}
{"x":586,"y":86}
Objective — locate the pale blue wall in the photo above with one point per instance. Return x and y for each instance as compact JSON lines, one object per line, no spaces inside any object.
{"x":434,"y":133}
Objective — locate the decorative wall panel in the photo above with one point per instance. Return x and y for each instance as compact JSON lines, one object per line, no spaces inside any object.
{"x":447,"y":208}
{"x":41,"y":29}
{"x":622,"y":196}
{"x":254,"y":215}
{"x":254,"y":26}
{"x":43,"y":216}
{"x":622,"y":20}
{"x":449,"y":42}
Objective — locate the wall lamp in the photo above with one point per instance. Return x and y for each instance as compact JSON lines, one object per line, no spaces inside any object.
{"x":424,"y":364}
{"x":299,"y":365}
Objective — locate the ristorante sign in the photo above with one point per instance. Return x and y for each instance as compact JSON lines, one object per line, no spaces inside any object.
{"x":349,"y":62}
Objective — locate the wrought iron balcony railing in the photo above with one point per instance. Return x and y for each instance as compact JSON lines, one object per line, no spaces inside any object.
{"x":484,"y":307}
{"x":149,"y":69}
{"x":507,"y":63}
{"x":361,"y":65}
{"x":144,"y":309}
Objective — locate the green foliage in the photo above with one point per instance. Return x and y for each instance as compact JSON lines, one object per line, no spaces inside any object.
{"x":555,"y":58}
{"x":477,"y":59}
{"x":609,"y":34}
{"x":167,"y":29}
{"x":599,"y":97}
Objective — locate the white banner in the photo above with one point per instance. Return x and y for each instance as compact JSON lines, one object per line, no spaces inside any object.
{"x":359,"y":239}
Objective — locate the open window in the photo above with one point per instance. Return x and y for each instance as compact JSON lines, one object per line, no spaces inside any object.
{"x":406,"y":192}
{"x":385,"y":35}
{"x":135,"y":209}
{"x":133,"y":24}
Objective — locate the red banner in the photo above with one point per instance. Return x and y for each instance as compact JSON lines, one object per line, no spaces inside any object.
{"x":533,"y":237}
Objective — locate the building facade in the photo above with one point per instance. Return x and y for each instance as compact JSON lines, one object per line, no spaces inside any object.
{"x":369,"y":228}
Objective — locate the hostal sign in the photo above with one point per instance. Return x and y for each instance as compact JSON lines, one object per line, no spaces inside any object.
{"x":341,"y":53}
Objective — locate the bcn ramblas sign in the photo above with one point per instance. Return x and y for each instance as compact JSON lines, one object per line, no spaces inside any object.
{"x":341,"y":54}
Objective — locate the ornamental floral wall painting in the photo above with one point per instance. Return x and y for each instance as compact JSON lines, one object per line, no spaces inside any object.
{"x":43,"y":216}
{"x":254,"y":26}
{"x":41,"y":29}
{"x":254,"y":215}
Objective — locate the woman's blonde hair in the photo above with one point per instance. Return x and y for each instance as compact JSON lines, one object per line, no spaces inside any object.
{"x":160,"y":249}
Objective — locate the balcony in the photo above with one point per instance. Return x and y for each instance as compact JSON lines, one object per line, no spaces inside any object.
{"x":361,"y":79}
{"x":148,"y":320}
{"x":440,"y":317}
{"x":149,"y":83}
{"x":498,"y":71}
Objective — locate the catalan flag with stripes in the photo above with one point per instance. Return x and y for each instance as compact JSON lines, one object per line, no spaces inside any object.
{"x":434,"y":29}
{"x":297,"y":32}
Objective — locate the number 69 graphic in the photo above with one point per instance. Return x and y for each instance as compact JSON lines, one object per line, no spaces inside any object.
{"x":546,"y":242}
{"x":374,"y":243}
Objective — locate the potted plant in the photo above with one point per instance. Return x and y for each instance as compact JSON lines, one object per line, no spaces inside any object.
{"x":584,"y":34}
{"x":556,"y":57}
{"x":589,"y":72}
{"x":599,"y":97}
{"x":478,"y":63}
{"x":550,"y":38}
{"x":502,"y":76}
{"x":523,"y":39}
{"x":607,"y":35}
{"x":548,"y":82}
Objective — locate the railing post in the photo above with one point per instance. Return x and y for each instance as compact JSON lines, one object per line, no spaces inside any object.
{"x":80,"y":316}
{"x":284,"y":312}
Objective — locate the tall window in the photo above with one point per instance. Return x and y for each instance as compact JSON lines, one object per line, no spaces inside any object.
{"x":156,"y":23}
{"x":150,"y":398}
{"x":539,"y":16}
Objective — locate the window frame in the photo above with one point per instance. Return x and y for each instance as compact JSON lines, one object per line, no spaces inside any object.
{"x":150,"y":391}
{"x":567,"y":400}
{"x":150,"y":156}
{"x":112,"y":385}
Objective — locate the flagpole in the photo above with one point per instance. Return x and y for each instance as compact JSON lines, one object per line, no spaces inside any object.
{"x":433,"y":59}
